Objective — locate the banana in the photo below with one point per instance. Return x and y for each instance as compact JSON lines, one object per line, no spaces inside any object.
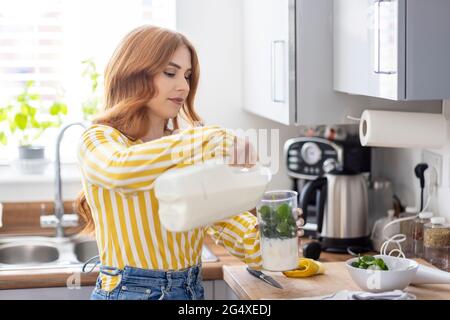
{"x":305,"y":268}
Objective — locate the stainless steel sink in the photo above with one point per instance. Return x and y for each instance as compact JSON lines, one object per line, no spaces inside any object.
{"x":25,"y":252}
{"x":85,"y":250}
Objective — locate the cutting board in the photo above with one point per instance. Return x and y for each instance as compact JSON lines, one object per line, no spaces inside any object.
{"x":336,"y":278}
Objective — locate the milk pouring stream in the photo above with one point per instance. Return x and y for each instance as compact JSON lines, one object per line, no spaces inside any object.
{"x":205,"y":193}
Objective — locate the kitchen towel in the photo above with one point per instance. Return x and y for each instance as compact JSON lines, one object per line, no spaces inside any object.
{"x":402,"y":129}
{"x":362,"y":295}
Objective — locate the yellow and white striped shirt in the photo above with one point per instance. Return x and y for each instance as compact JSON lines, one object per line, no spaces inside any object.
{"x":118,"y":176}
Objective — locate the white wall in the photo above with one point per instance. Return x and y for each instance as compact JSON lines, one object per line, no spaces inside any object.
{"x":398,"y":164}
{"x":214,"y":27}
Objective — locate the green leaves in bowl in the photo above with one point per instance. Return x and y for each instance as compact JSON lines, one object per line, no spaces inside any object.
{"x":278,"y":222}
{"x":369,"y":262}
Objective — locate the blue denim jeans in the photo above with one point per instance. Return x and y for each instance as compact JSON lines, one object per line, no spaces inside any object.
{"x":144,"y":284}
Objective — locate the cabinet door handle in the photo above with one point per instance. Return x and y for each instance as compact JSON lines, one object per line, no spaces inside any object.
{"x":377,"y":30}
{"x":277,"y":70}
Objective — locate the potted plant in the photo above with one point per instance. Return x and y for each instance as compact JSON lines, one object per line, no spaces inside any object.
{"x":26,"y":118}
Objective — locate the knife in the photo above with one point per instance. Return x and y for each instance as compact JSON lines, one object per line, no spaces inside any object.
{"x":264,"y":277}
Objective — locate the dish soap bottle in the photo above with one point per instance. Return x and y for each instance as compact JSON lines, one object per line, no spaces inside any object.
{"x":201,"y":194}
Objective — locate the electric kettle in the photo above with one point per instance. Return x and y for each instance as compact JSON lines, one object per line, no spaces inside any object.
{"x":342,"y":200}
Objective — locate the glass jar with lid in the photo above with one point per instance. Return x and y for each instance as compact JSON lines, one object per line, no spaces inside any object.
{"x":419,"y":222}
{"x":436,"y":242}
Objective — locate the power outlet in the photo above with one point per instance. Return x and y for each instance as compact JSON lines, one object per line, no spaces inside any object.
{"x":433,"y":160}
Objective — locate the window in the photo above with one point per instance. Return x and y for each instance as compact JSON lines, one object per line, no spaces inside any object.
{"x":46,"y":41}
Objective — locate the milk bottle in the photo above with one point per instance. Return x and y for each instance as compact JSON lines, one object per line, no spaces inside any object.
{"x":205,"y":193}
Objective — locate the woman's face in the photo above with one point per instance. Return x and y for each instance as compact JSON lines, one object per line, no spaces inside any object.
{"x":172,"y":85}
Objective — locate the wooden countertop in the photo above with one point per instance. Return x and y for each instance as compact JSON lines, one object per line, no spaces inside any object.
{"x":60,"y":277}
{"x":336,"y":278}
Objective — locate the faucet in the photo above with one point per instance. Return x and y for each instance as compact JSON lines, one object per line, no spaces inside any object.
{"x":59,"y":220}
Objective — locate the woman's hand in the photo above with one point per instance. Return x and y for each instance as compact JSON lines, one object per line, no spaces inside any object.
{"x":300,"y":222}
{"x":243,"y":154}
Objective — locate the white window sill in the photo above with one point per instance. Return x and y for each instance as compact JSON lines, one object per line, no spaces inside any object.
{"x":17,"y":187}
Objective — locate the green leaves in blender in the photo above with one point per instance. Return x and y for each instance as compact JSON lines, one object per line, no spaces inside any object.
{"x":278,"y":222}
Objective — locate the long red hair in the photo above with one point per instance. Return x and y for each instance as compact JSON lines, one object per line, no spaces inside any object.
{"x":143,"y":53}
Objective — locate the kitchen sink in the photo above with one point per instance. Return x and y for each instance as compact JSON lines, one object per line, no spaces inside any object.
{"x":19,"y":252}
{"x":25,"y":252}
{"x":85,"y":250}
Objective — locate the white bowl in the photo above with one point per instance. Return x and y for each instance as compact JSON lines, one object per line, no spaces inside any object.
{"x":400,"y":274}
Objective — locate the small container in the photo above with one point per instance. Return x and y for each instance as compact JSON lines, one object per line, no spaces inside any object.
{"x":424,"y":218}
{"x":436,"y":242}
{"x":378,"y":236}
{"x":381,"y":198}
{"x":406,"y":228}
{"x":277,"y":215}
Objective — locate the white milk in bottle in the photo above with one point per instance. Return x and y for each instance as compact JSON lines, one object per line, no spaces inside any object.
{"x":202,"y":194}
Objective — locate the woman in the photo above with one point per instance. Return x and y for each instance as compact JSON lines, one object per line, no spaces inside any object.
{"x":150,"y":81}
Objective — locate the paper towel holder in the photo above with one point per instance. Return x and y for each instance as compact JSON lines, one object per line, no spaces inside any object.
{"x":353,"y":118}
{"x":400,"y":129}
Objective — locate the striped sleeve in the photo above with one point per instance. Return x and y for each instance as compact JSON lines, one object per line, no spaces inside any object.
{"x":107,"y":159}
{"x":240,"y":237}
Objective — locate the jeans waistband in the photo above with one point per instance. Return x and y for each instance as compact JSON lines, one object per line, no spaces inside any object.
{"x":188,"y":276}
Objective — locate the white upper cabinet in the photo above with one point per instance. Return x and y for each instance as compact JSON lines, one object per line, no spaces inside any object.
{"x":288,"y":63}
{"x":392,"y":49}
{"x":269,"y":59}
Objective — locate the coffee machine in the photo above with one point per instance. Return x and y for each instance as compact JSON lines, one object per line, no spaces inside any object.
{"x":332,"y":180}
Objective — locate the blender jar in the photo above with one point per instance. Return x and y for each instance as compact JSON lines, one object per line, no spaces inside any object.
{"x":277,"y":217}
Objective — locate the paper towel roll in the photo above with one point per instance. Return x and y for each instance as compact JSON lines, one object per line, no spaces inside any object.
{"x":402,"y":129}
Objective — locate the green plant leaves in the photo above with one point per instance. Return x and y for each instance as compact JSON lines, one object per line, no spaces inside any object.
{"x":3,"y":114}
{"x":28,"y":110}
{"x":48,"y":124}
{"x":58,"y":108}
{"x":369,"y":262}
{"x":283,"y":212}
{"x":277,"y":222}
{"x":3,"y":138}
{"x":91,"y":76}
{"x":21,"y":121}
{"x":22,"y":115}
{"x":265,"y":212}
